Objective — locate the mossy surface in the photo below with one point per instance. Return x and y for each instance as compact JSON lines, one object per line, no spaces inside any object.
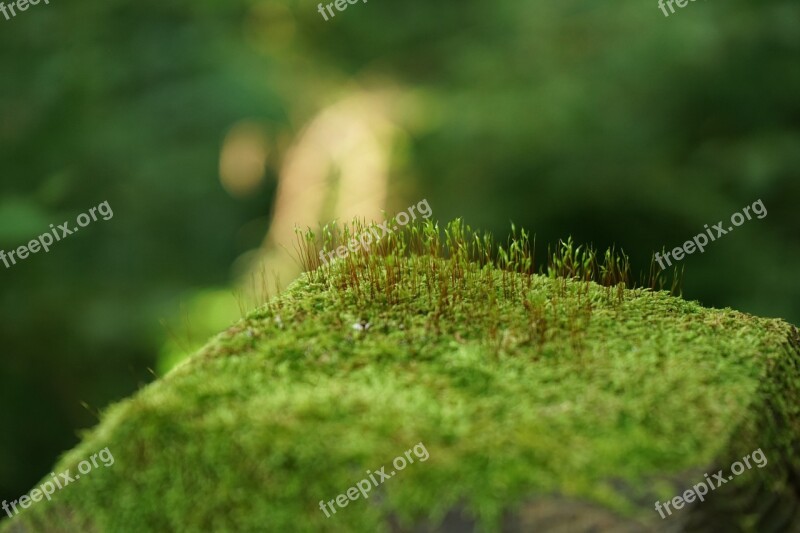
{"x":553,"y":388}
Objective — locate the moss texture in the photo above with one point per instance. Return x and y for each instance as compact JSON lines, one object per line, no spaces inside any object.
{"x":541,"y":399}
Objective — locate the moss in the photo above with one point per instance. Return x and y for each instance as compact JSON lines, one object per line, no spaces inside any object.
{"x":523,"y":387}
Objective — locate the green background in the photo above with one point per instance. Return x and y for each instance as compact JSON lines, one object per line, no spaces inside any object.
{"x":610,"y":123}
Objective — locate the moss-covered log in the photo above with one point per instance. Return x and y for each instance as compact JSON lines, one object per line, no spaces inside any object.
{"x":546,"y":403}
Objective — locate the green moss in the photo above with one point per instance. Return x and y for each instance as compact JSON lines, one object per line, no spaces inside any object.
{"x":521,"y":387}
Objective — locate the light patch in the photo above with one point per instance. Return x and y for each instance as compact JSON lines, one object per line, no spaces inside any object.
{"x":243,"y":158}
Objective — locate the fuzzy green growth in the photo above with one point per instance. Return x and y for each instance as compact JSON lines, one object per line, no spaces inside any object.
{"x":523,"y":387}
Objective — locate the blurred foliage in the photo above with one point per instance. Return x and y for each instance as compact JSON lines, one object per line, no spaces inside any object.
{"x":612,"y":124}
